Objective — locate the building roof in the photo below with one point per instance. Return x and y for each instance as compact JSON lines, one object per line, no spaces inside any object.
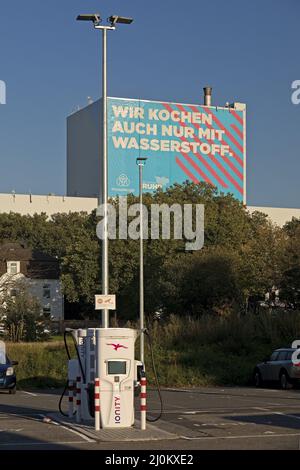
{"x":20,"y":252}
{"x":33,"y":263}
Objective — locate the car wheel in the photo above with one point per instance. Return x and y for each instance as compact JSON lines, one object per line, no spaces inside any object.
{"x":12,"y":391}
{"x":257,"y":379}
{"x":284,"y":380}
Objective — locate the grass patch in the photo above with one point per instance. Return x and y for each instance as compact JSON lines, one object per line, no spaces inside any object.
{"x":188,"y":352}
{"x":41,"y":365}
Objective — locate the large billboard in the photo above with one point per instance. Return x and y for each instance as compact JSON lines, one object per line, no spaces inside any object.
{"x":180,"y":141}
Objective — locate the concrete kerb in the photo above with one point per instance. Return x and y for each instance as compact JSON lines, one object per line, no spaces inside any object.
{"x":152,"y":433}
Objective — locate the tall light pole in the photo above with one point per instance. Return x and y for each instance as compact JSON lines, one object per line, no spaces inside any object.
{"x":103,"y":196}
{"x":141,"y":163}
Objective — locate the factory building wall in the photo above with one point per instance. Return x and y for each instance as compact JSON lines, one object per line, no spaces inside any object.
{"x":32,"y":204}
{"x":84,"y":171}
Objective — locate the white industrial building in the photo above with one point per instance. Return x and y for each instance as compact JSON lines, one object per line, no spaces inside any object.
{"x":28,"y":204}
{"x":84,"y":175}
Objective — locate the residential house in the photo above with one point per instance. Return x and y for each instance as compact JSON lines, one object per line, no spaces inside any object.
{"x":40,"y":273}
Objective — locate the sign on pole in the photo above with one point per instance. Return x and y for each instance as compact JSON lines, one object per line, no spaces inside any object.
{"x":105,"y":302}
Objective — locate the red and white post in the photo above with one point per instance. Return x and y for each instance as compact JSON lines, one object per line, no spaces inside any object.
{"x":97,"y":404}
{"x":143,"y":403}
{"x":78,"y":399}
{"x":71,"y":391}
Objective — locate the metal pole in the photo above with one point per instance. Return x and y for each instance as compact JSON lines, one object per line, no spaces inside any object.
{"x":142,"y":337}
{"x":105,"y":313}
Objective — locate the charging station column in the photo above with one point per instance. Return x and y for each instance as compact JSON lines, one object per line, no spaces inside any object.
{"x":116,"y":365}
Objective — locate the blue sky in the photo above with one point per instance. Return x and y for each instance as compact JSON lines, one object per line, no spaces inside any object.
{"x":247,"y":50}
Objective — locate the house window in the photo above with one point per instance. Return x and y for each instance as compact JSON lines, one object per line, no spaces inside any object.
{"x":47,"y":312}
{"x":13,"y":292}
{"x":13,"y":267}
{"x":46,"y":291}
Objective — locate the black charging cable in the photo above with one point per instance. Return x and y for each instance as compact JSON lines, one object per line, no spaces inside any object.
{"x":153,"y":420}
{"x":80,"y":365}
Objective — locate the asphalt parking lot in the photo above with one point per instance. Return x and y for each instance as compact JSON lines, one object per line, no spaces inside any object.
{"x":204,"y":418}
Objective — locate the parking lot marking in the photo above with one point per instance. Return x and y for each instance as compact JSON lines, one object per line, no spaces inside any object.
{"x":29,"y":393}
{"x":236,"y":409}
{"x":14,"y":444}
{"x":253,"y":436}
{"x":78,"y":433}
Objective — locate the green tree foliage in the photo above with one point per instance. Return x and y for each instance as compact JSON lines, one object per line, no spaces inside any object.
{"x":244,"y":256}
{"x":290,"y":282}
{"x":21,"y":315}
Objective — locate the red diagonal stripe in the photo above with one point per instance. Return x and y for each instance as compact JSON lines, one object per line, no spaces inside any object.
{"x":229,"y":135}
{"x":235,"y":156}
{"x":204,"y":162}
{"x":215,"y":160}
{"x":197,"y":168}
{"x":236,"y":129}
{"x":224,"y":171}
{"x":237,"y":117}
{"x":199,"y":156}
{"x":186,"y":171}
{"x":234,"y":168}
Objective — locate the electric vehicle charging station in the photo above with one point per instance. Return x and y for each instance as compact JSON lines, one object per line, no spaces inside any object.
{"x":105,"y":371}
{"x":115,"y":357}
{"x":107,"y":354}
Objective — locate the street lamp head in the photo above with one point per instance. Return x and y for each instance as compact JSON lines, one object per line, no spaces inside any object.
{"x":141,"y":160}
{"x":95,"y":18}
{"x":119,"y":19}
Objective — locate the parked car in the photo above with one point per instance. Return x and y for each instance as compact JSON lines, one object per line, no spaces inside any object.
{"x":8,"y":380}
{"x":278,"y":368}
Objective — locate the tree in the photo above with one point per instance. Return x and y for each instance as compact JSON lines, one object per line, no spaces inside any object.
{"x":290,"y":282}
{"x":22,"y":315}
{"x":248,"y":251}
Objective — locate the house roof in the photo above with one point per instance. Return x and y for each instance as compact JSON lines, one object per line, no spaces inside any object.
{"x":34,"y":263}
{"x":20,"y":252}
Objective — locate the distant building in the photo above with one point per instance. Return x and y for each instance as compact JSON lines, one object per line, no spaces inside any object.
{"x":28,"y":204}
{"x":278,"y":215}
{"x":40,"y":273}
{"x":181,"y":142}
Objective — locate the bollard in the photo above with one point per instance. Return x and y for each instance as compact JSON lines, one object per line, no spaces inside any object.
{"x":71,"y":391}
{"x":97,"y":404}
{"x":78,"y":399}
{"x":143,"y":403}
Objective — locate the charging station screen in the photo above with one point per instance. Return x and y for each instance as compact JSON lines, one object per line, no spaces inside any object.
{"x":117,"y":367}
